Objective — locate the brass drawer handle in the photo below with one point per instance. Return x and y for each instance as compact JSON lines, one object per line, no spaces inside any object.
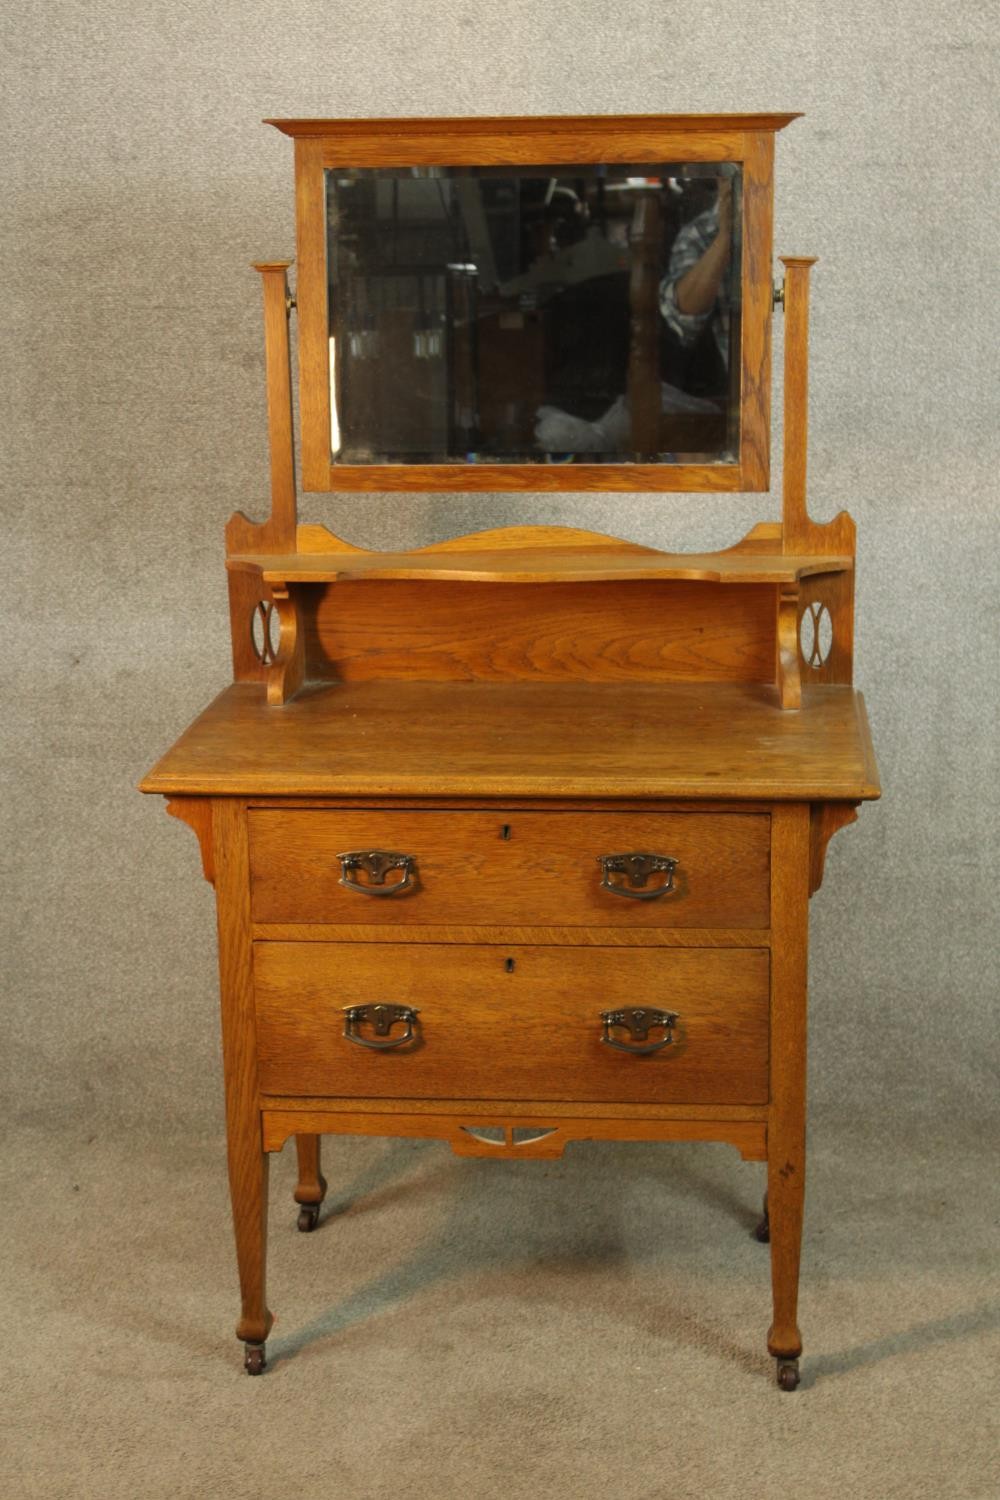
{"x":382,"y":1018}
{"x":637,"y":868}
{"x":638,"y":1021}
{"x":377,"y":864}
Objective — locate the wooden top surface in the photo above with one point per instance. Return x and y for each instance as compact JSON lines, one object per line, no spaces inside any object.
{"x":538,"y":565}
{"x":505,"y":740}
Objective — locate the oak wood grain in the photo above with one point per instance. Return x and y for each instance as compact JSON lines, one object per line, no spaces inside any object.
{"x":451,"y":129}
{"x":596,"y":632}
{"x":311,"y":538}
{"x":313,"y":314}
{"x":625,"y":936}
{"x":537,"y":565}
{"x":586,"y":740}
{"x":533,"y":1030}
{"x":486,"y":1109}
{"x":756,"y":305}
{"x":512,"y":868}
{"x":542,"y":478}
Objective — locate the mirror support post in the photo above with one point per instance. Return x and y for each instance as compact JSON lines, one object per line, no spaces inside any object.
{"x":832,"y":592}
{"x":795,"y":515}
{"x":276,"y":534}
{"x":277,"y":352}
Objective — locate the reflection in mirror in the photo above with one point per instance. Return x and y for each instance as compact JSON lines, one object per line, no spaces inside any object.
{"x":535,"y":315}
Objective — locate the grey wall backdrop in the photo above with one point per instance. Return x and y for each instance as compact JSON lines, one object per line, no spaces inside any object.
{"x":139,"y":185}
{"x":456,"y":1329}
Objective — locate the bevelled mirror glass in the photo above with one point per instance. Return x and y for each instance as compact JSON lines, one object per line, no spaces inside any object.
{"x":535,"y":314}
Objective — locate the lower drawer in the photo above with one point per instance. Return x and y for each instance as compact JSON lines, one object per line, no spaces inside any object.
{"x":513,"y":1023}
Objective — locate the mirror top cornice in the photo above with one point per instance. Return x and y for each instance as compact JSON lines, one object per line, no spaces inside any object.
{"x":515,"y":123}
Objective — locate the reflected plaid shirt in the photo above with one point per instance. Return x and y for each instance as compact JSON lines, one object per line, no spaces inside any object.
{"x":688,"y":248}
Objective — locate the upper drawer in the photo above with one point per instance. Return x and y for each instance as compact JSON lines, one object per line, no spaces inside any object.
{"x":523,"y":869}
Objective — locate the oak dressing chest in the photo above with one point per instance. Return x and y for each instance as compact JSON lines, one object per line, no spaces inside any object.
{"x":513,"y":836}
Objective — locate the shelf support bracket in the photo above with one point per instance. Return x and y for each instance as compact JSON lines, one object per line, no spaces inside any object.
{"x":287,"y":673}
{"x":787,"y":674}
{"x":825,"y":819}
{"x":196,"y":812}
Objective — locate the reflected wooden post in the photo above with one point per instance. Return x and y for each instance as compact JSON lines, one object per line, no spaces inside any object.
{"x":645,"y":401}
{"x":462,"y":360}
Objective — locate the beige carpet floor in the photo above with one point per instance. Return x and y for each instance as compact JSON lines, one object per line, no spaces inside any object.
{"x":530,"y":1331}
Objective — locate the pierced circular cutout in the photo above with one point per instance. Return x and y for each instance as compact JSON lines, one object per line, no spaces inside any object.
{"x":815,"y":634}
{"x":265,"y":632}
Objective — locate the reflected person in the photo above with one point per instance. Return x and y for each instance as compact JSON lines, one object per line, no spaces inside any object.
{"x":691,"y":293}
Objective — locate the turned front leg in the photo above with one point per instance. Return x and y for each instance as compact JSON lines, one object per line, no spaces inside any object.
{"x":248,"y":1185}
{"x":786,"y":1128}
{"x":248,"y":1162}
{"x":785,"y":1202}
{"x":310,"y":1190}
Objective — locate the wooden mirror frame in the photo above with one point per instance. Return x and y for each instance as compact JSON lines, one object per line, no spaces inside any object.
{"x":525,"y":141}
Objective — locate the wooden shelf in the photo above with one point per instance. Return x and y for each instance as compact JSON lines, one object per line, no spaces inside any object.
{"x":537,"y":565}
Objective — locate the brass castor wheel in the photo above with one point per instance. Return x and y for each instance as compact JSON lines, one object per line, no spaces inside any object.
{"x":788,"y":1374}
{"x":254,"y":1359}
{"x":308,"y":1217}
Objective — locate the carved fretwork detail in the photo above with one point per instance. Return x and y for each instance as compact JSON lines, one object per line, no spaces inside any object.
{"x":506,"y":1140}
{"x":825,"y":819}
{"x":539,"y":1137}
{"x":814,"y":628}
{"x":196,"y":812}
{"x":261,"y":623}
